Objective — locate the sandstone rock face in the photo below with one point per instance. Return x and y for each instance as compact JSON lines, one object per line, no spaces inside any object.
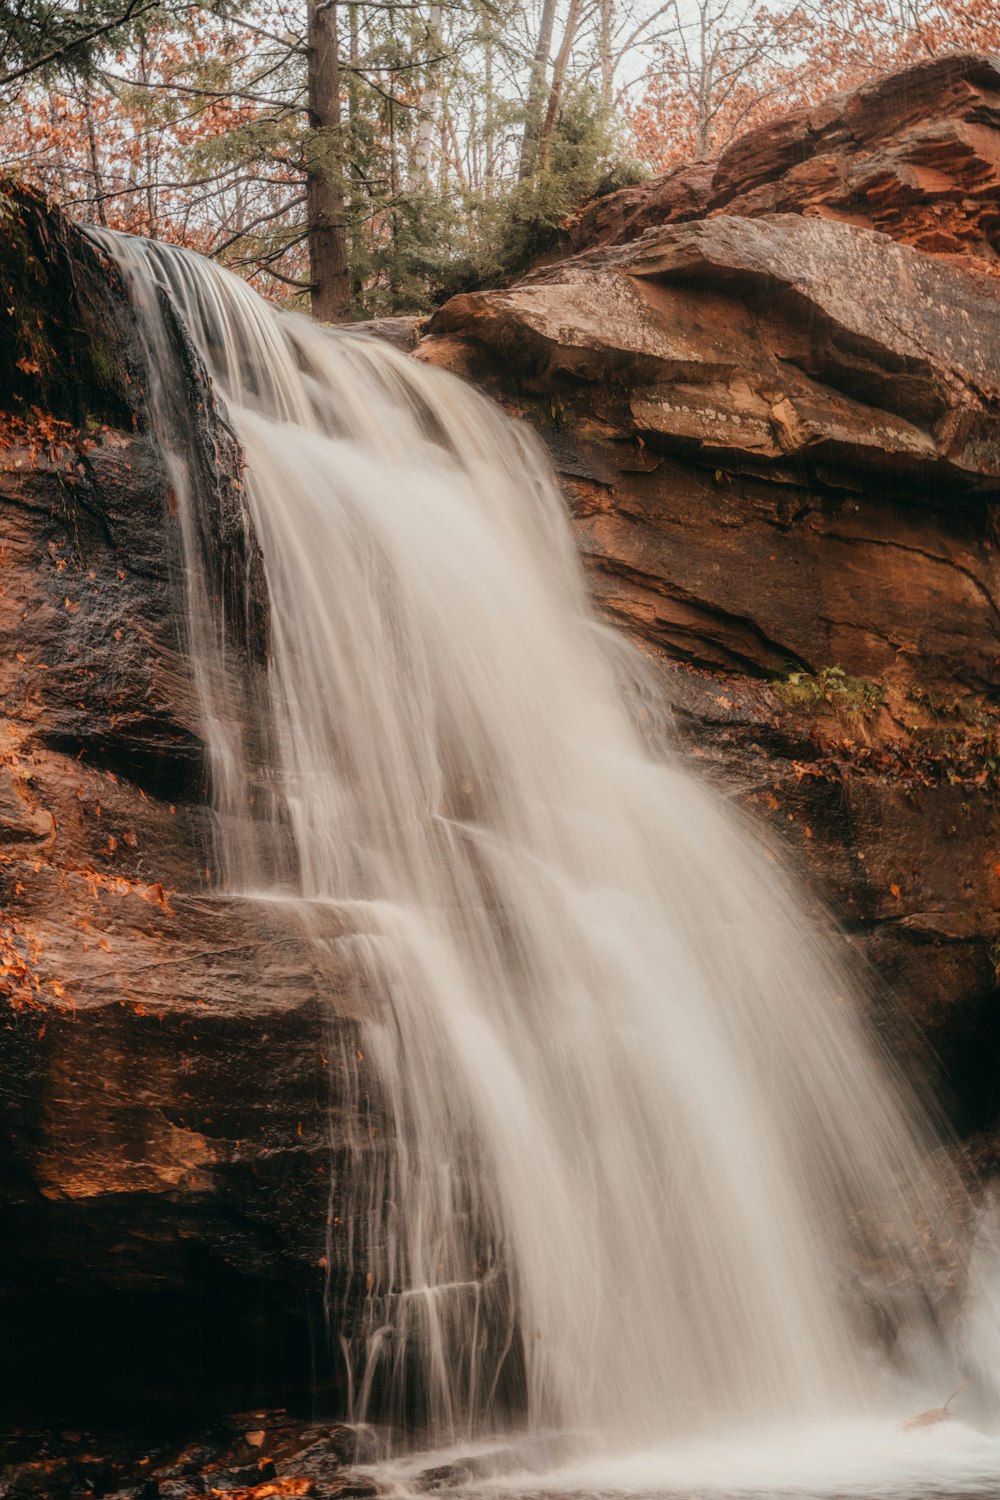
{"x":915,"y":155}
{"x":779,"y":434}
{"x":681,"y":194}
{"x":167,"y":1052}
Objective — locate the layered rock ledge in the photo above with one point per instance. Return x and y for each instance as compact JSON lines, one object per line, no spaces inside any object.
{"x":915,"y":155}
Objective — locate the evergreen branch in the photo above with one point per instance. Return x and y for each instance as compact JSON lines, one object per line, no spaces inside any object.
{"x":133,"y":10}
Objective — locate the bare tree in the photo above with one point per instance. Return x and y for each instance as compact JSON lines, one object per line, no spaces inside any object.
{"x":719,"y":62}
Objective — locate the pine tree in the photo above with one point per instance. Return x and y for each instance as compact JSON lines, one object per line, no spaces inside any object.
{"x":38,"y":36}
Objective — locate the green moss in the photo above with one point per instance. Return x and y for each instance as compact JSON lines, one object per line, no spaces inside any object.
{"x":854,"y":697}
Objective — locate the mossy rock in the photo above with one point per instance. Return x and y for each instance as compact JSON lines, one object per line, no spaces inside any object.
{"x":65,"y":323}
{"x":852,"y":696}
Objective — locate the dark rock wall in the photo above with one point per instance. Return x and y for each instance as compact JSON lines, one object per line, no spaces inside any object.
{"x":167,"y":1053}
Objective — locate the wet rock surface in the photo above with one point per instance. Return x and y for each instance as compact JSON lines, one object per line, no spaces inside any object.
{"x":168,"y":1052}
{"x":262,"y":1455}
{"x":778,"y":434}
{"x":402,"y":333}
{"x":526,"y":1455}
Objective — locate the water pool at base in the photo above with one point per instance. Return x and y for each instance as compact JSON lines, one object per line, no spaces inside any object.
{"x":850,"y":1460}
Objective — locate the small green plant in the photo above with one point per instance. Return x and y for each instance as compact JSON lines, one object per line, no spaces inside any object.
{"x":855,"y":697}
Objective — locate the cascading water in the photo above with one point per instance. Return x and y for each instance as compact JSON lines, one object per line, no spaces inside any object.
{"x":643,"y":1158}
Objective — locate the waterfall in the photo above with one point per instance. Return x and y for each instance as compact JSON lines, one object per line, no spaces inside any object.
{"x":645,"y":1166}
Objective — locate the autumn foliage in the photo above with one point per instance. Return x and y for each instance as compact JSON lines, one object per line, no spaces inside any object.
{"x":196,"y":128}
{"x":723,"y":68}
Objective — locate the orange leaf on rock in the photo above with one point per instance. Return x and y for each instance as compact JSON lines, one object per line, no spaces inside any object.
{"x":272,"y":1489}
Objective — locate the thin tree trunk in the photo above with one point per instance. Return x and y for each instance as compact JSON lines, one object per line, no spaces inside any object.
{"x":95,"y":162}
{"x":325,"y":207}
{"x":428,"y":103}
{"x":704,"y":112}
{"x":393,"y":266}
{"x":489,"y":128}
{"x":55,"y":128}
{"x":605,"y":52}
{"x":353,"y":57}
{"x":451,"y":135}
{"x":558,"y":80}
{"x":536,"y":92}
{"x":147,"y":149}
{"x":705,"y":71}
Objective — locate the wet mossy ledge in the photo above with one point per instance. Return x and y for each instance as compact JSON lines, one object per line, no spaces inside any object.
{"x":64,"y":327}
{"x":165,"y":1169}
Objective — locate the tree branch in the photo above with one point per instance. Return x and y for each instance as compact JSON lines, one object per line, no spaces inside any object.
{"x":133,"y":10}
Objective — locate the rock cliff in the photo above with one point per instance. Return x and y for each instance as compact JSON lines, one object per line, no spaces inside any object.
{"x":915,"y":155}
{"x":166,"y":1060}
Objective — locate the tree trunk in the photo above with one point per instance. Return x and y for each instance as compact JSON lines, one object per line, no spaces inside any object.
{"x":325,"y":206}
{"x":705,"y":81}
{"x":605,"y":53}
{"x":428,"y":103}
{"x":147,"y":151}
{"x":462,"y":168}
{"x":95,"y":162}
{"x":536,"y":92}
{"x":558,"y":79}
{"x":353,"y":57}
{"x":489,"y":130}
{"x":704,"y":102}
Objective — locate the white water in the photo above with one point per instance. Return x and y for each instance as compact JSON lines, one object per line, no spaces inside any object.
{"x":643,"y":1159}
{"x":838,"y":1459}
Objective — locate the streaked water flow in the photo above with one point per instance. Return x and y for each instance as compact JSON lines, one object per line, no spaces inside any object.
{"x":646,"y":1175}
